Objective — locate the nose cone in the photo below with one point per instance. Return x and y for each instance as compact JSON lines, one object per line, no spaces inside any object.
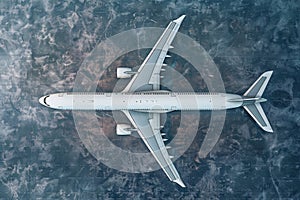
{"x":42,"y":101}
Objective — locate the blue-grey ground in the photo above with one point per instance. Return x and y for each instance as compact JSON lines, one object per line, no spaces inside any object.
{"x":42,"y":45}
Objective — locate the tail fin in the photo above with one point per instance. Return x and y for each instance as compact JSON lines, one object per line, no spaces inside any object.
{"x":255,"y":110}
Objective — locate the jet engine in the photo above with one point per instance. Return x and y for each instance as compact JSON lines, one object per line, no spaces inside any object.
{"x":123,"y":129}
{"x":124,"y":72}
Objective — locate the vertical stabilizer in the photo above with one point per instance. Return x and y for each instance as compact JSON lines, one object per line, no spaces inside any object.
{"x":255,"y":110}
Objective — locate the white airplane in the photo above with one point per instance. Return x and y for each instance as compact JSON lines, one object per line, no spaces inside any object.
{"x":142,"y":101}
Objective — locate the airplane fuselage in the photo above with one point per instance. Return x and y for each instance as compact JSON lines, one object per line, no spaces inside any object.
{"x":153,"y":101}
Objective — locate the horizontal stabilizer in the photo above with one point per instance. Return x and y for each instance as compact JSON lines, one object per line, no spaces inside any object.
{"x":257,"y":113}
{"x":254,"y":93}
{"x":259,"y":86}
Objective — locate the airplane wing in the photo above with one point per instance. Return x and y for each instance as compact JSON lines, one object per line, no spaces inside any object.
{"x":148,"y":127}
{"x":148,"y":78}
{"x":148,"y":75}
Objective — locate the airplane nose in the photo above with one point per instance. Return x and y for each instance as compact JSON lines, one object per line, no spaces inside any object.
{"x":42,"y":100}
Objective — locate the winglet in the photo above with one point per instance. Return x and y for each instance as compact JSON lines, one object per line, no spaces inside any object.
{"x":179,"y":182}
{"x":179,"y":20}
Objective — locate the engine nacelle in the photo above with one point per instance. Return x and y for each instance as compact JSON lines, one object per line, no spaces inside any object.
{"x":123,"y":129}
{"x":124,"y":72}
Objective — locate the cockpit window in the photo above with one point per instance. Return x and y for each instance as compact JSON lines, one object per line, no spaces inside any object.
{"x":45,"y":100}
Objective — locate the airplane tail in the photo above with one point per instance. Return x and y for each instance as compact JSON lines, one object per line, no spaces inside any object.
{"x":252,"y":99}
